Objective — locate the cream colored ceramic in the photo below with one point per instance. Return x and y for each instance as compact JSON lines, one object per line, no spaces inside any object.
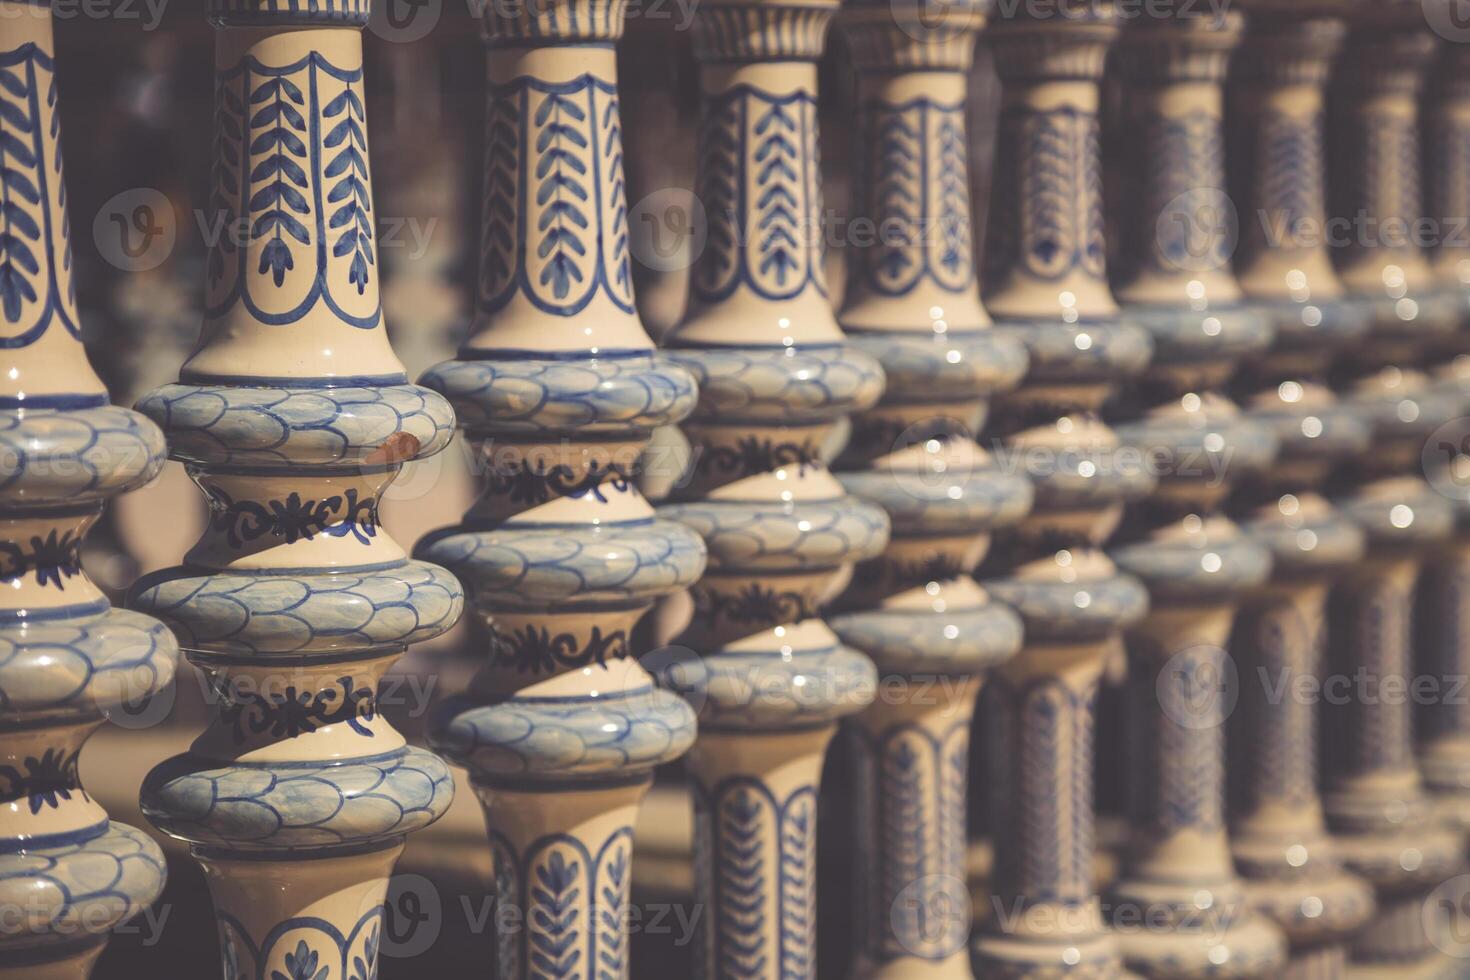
{"x":68,"y":660}
{"x":1444,"y":733}
{"x":1046,"y":285}
{"x":1178,"y":906}
{"x":1374,"y":799}
{"x":775,"y":376}
{"x":1292,"y":870}
{"x":558,"y":388}
{"x":913,"y":302}
{"x":293,"y":415}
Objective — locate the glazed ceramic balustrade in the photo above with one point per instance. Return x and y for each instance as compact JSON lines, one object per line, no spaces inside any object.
{"x":1194,"y":560}
{"x":293,"y":415}
{"x":1046,"y":284}
{"x":68,"y":875}
{"x":1374,"y":800}
{"x":776,"y":374}
{"x":1378,"y":182}
{"x":1278,"y":182}
{"x":559,"y":388}
{"x":1280,"y":842}
{"x":914,"y":304}
{"x":1444,"y":649}
{"x":1179,"y":875}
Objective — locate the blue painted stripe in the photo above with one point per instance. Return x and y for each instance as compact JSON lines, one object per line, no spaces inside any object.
{"x":313,"y":384}
{"x":523,"y":354}
{"x":190,"y":763}
{"x":41,"y":842}
{"x":76,"y":611}
{"x":561,"y":784}
{"x":306,"y":852}
{"x":64,"y":401}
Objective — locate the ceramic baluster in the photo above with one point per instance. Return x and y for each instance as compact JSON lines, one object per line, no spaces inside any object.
{"x":67,"y":658}
{"x":776,"y":374}
{"x":1292,"y":870}
{"x":1046,"y":285}
{"x":559,"y":388}
{"x":1374,"y":800}
{"x":914,"y":304}
{"x":293,"y":415}
{"x":1444,"y":648}
{"x":1179,"y":907}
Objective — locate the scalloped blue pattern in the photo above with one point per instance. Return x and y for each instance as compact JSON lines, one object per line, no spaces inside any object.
{"x":530,"y":566}
{"x":278,"y":426}
{"x":243,"y":808}
{"x":595,"y":394}
{"x":619,"y":734}
{"x":75,"y":456}
{"x":82,"y":889}
{"x":90,"y":663}
{"x":347,"y":611}
{"x":779,"y":384}
{"x":776,"y":536}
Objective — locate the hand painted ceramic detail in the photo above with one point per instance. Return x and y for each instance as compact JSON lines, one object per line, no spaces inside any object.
{"x":1277,"y":160}
{"x":294,"y":417}
{"x":1280,"y":840}
{"x":68,"y":660}
{"x":1196,"y":563}
{"x":1046,"y":284}
{"x":559,"y":389}
{"x":1375,"y":800}
{"x":775,"y":374}
{"x":913,"y":302}
{"x":1378,"y":175}
{"x":1447,"y":154}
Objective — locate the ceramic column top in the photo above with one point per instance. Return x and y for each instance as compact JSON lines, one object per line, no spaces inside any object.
{"x":294,"y":416}
{"x":40,"y":330}
{"x":289,"y":13}
{"x":68,"y":660}
{"x":1379,"y":80}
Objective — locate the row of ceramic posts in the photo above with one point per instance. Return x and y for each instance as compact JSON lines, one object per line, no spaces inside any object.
{"x":833,"y":466}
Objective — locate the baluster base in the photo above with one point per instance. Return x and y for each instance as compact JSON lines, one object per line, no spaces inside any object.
{"x":283,"y":912}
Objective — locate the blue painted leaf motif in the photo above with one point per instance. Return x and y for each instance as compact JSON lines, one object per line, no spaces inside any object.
{"x":281,"y":144}
{"x":777,"y":220}
{"x":302,"y":965}
{"x":20,"y":235}
{"x":612,"y":963}
{"x":954,"y":198}
{"x":230,"y":957}
{"x":554,"y":933}
{"x":719,"y":167}
{"x":560,"y":171}
{"x":350,"y":165}
{"x":905,"y":831}
{"x":798,"y":889}
{"x":612,"y":141}
{"x":499,"y":223}
{"x":228,"y":136}
{"x":365,"y":967}
{"x":742,"y":881}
